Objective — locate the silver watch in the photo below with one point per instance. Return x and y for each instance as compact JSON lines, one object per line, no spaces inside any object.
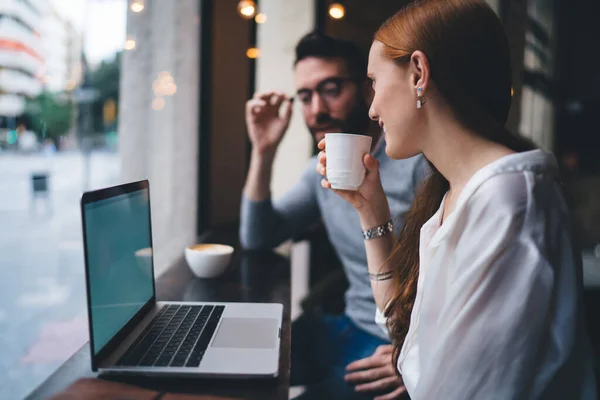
{"x":379,"y":231}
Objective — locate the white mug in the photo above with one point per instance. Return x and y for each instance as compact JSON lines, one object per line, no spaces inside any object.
{"x":345,"y":153}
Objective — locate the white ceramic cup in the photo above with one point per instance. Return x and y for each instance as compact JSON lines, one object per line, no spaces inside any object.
{"x":208,"y":260}
{"x":345,"y":153}
{"x":143,"y":258}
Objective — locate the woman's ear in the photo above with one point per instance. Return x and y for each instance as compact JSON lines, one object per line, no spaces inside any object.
{"x":419,"y":71}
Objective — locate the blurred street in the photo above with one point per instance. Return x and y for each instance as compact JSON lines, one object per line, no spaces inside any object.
{"x":42,"y":289}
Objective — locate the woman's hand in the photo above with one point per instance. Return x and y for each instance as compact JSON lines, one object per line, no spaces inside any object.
{"x":369,"y":200}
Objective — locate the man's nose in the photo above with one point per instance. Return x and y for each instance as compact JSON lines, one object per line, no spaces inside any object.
{"x":318,"y":105}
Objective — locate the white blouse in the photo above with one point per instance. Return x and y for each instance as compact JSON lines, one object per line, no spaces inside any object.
{"x":498,"y":312}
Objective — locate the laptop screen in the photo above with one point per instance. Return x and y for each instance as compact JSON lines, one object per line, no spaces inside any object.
{"x":119,"y":259}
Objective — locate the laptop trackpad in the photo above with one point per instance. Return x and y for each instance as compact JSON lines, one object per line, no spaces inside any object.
{"x":247,"y":333}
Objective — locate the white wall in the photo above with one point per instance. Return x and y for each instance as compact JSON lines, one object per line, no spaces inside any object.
{"x":161,"y":145}
{"x":287,"y":22}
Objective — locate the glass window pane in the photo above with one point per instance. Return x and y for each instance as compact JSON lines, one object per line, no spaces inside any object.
{"x":59,"y":97}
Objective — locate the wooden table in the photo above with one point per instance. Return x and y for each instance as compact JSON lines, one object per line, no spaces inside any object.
{"x":252,"y":277}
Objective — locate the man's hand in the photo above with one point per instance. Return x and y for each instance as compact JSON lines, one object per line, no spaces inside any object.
{"x":375,"y":374}
{"x":266,"y":125}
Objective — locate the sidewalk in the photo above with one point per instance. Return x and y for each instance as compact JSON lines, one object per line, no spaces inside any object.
{"x":42,"y":298}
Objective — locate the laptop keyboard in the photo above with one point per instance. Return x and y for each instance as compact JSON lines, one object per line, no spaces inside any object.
{"x":177,"y":336}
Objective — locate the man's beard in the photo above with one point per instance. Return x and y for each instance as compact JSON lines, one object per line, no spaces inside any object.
{"x":356,"y":122}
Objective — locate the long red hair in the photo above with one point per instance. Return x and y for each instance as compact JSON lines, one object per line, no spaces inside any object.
{"x":467,"y":50}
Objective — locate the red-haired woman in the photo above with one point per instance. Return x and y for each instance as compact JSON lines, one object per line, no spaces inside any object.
{"x":482,"y":290}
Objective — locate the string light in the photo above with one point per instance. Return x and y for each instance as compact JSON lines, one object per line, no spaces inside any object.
{"x":164,"y":85}
{"x":247,"y":9}
{"x":337,"y":11}
{"x":129,"y":43}
{"x":260,"y":18}
{"x":137,"y":6}
{"x":253,"y":52}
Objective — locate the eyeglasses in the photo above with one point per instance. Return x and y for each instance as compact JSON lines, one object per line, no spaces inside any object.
{"x":328,"y":89}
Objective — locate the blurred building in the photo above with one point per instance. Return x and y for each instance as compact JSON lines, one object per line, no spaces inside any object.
{"x":54,"y":46}
{"x":61,"y":48}
{"x":73,"y":57}
{"x":38,"y":51}
{"x":21,"y":56}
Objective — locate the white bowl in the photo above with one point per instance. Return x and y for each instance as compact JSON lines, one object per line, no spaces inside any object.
{"x":208,"y":260}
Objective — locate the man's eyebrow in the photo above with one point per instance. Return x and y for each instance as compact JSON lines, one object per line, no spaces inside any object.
{"x":321,"y":83}
{"x":329,"y":79}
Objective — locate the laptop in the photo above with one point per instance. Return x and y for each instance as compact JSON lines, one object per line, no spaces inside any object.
{"x":130,"y":332}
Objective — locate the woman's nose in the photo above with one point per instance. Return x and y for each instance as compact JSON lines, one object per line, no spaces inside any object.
{"x":372,"y":114}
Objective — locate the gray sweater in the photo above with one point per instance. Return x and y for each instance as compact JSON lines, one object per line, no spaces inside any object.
{"x":268,"y":223}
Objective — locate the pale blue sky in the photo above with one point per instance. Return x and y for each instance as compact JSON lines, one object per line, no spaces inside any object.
{"x":103,"y":23}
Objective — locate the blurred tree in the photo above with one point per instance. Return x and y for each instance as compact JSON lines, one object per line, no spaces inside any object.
{"x":50,"y":115}
{"x":105,"y":78}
